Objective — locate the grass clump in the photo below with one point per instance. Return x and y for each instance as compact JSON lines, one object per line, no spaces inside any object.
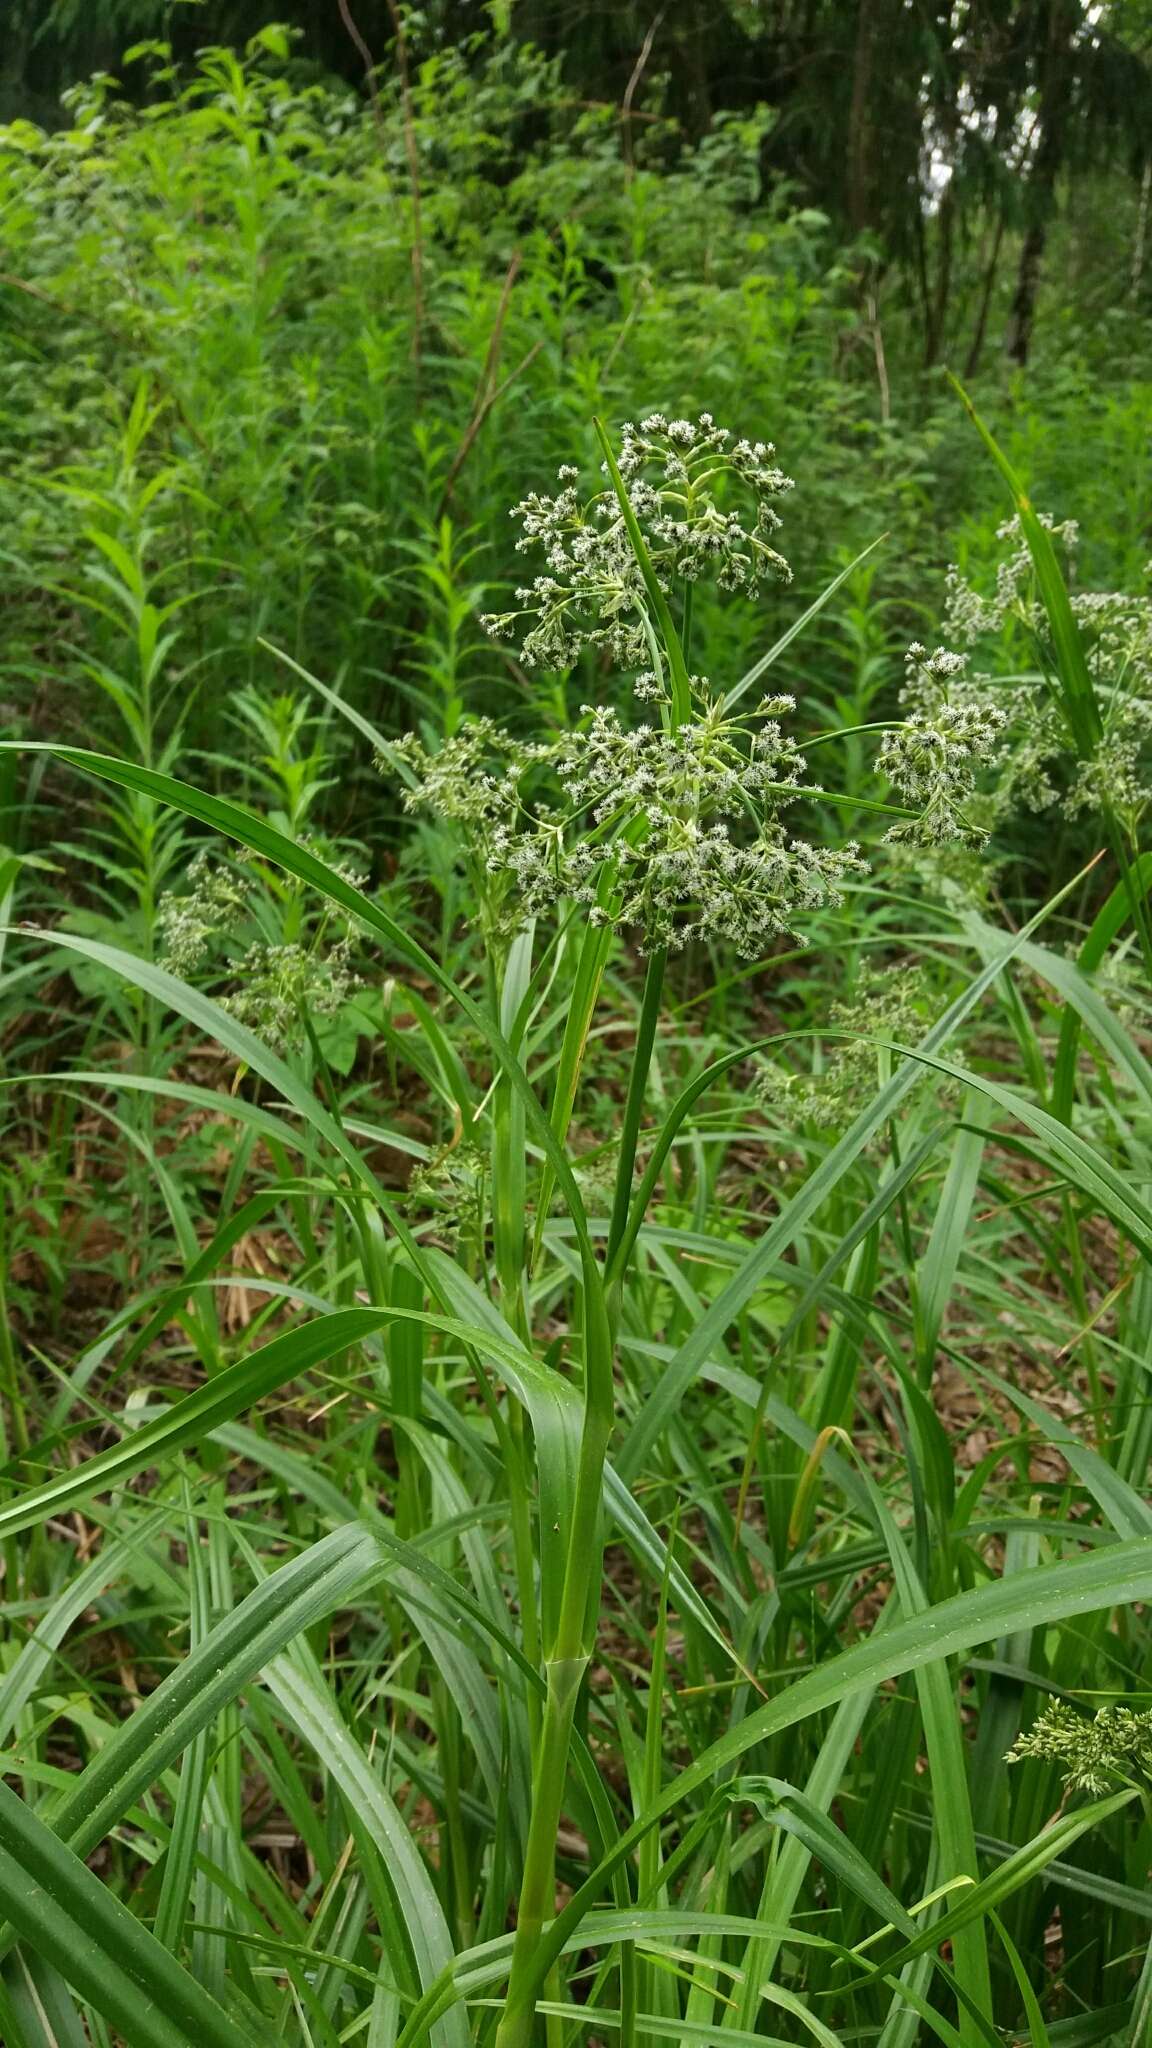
{"x":575,"y":1224}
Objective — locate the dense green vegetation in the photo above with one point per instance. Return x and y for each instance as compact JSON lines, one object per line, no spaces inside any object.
{"x":575,"y":1206}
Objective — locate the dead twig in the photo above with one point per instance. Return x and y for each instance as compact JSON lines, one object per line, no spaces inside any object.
{"x":413,"y":156}
{"x":487,"y":391}
{"x":876,"y":336}
{"x":475,"y":425}
{"x":631,"y":89}
{"x":369,"y":63}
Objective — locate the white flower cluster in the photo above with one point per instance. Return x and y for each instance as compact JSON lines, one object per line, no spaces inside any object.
{"x":725,"y":762}
{"x":680,"y":477}
{"x":187,"y":924}
{"x":449,"y":1185}
{"x":1119,"y":773}
{"x":671,"y":835}
{"x":474,"y":777}
{"x":670,"y":829}
{"x":1040,"y":768}
{"x":686,"y":874}
{"x":700,"y":883}
{"x":932,"y":759}
{"x":276,"y":981}
{"x":971,"y":617}
{"x":1090,"y":1754}
{"x":486,"y":781}
{"x":893,"y":1003}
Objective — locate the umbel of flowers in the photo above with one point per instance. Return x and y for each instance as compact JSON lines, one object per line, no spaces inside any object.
{"x":1039,"y":766}
{"x":1090,"y":1754}
{"x":682,"y":823}
{"x":592,"y":593}
{"x":673,"y":835}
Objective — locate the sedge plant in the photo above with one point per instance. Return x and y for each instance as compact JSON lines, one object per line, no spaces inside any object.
{"x":670,"y":830}
{"x":350,"y":1435}
{"x":663,"y":832}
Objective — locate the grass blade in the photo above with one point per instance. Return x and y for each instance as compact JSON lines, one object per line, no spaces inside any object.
{"x":73,"y":1921}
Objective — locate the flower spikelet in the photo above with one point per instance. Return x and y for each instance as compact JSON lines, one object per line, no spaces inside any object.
{"x":704,"y":503}
{"x":1041,"y":765}
{"x":933,"y":758}
{"x":1091,"y":1754}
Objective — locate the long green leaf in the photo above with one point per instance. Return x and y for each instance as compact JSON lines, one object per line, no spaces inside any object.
{"x":69,"y":1917}
{"x":301,"y":1694}
{"x":1079,"y":695}
{"x":782,"y":1233}
{"x":760,"y":668}
{"x":252,"y":831}
{"x":1116,"y":1574}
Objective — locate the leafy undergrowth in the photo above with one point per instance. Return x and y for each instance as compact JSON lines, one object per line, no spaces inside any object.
{"x":576,"y":1283}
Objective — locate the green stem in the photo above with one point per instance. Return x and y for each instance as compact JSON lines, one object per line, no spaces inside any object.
{"x":634,"y":1106}
{"x":1130,"y":876}
{"x":10,"y":1384}
{"x":538,"y":1888}
{"x":594,"y":951}
{"x":569,"y":1655}
{"x":567,"y":1661}
{"x":1140,"y":2025}
{"x":575,"y":1630}
{"x":520,"y":1515}
{"x":458,"y":1890}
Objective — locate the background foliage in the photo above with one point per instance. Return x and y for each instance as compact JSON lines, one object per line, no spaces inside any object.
{"x":308,"y":1193}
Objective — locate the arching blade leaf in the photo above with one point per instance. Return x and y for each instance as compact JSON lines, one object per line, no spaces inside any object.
{"x":69,"y":1917}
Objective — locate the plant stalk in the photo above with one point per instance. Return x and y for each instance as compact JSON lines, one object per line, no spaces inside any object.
{"x":570,"y":1653}
{"x":634,"y":1106}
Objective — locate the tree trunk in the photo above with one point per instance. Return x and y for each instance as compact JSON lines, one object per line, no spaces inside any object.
{"x":938,"y":310}
{"x":860,"y":130}
{"x":1022,"y":316}
{"x":976,"y":346}
{"x":1140,"y":241}
{"x":1055,"y":104}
